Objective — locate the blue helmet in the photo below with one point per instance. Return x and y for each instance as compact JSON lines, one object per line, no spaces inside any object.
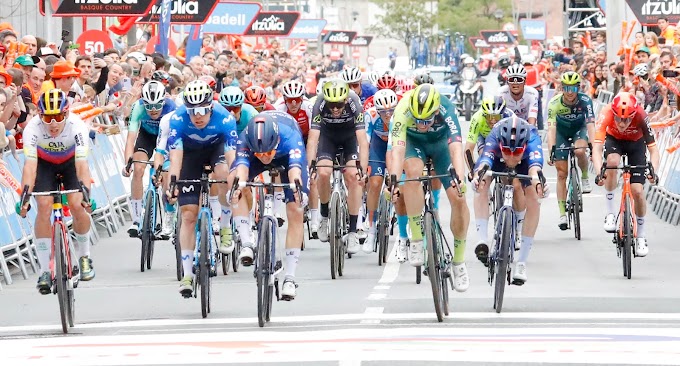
{"x":513,"y":132}
{"x":262,"y":133}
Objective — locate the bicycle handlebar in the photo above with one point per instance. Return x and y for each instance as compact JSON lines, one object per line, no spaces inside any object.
{"x":25,"y":194}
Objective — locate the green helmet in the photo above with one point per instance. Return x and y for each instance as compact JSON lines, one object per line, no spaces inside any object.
{"x":571,"y":78}
{"x":335,"y":91}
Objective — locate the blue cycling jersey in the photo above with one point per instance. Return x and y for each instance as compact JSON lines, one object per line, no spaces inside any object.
{"x":375,"y":124}
{"x":367,"y":91}
{"x":247,"y":113}
{"x":533,"y":154}
{"x":221,"y":129}
{"x":140,"y":118}
{"x":291,"y":144}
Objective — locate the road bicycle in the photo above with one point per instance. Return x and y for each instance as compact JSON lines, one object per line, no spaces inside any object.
{"x":574,"y":204}
{"x":383,"y":224}
{"x":64,"y":274}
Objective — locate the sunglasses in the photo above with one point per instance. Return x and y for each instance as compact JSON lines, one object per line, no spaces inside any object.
{"x":424,"y":121}
{"x":200,"y":111}
{"x":49,"y":118}
{"x":297,"y":100}
{"x":233,"y":109}
{"x":264,"y":155}
{"x":354,"y":85}
{"x":623,"y":120}
{"x":516,"y":80}
{"x":386,"y":111}
{"x":494,"y":117}
{"x":335,"y":105}
{"x":514,"y":152}
{"x":570,"y":88}
{"x":154,"y":107}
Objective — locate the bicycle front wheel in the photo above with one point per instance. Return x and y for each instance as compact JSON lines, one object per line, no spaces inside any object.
{"x":147,"y":230}
{"x":234,"y":255}
{"x":61,"y":277}
{"x":575,"y":204}
{"x":204,"y":262}
{"x":502,"y":260}
{"x":382,"y":229}
{"x":263,"y":270}
{"x":334,"y":233}
{"x":433,"y":261}
{"x":178,"y":248}
{"x":627,"y":239}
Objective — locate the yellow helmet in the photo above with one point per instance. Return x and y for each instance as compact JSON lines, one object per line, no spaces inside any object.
{"x":53,"y":101}
{"x":571,"y":78}
{"x":424,"y":101}
{"x":335,"y":91}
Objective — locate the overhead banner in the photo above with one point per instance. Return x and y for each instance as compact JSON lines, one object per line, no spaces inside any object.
{"x":497,"y":37}
{"x":273,"y":23}
{"x":648,"y":12}
{"x":85,"y":8}
{"x":182,"y":11}
{"x":361,"y":41}
{"x":533,"y":29}
{"x":229,"y":18}
{"x":339,"y":37}
{"x":308,"y":29}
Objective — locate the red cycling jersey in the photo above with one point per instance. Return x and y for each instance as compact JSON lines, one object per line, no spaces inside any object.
{"x":638,"y":128}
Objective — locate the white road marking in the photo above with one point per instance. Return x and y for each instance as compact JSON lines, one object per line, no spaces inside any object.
{"x":391,"y":270}
{"x":381,"y":288}
{"x":376,"y":296}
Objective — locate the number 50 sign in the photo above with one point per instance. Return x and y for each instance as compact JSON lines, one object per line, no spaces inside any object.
{"x":94,"y":41}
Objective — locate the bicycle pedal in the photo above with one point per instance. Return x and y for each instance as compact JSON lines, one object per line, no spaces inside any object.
{"x":315,"y":235}
{"x":517,"y":282}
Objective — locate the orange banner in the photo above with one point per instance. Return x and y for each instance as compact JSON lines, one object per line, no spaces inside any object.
{"x":8,"y":180}
{"x":670,"y":86}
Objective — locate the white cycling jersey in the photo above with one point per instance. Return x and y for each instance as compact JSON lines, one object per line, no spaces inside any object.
{"x":163,"y":132}
{"x":71,"y":143}
{"x":526,"y":107}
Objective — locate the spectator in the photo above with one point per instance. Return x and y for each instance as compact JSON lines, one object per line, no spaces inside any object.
{"x":579,"y":53}
{"x":32,"y":44}
{"x":601,"y":41}
{"x":667,"y":30}
{"x":652,"y":43}
{"x":639,"y":41}
{"x":643,"y":54}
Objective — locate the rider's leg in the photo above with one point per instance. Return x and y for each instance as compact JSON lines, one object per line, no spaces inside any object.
{"x":137,"y":191}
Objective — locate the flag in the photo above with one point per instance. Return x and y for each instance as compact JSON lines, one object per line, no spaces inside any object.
{"x":164,"y":28}
{"x":194,"y":43}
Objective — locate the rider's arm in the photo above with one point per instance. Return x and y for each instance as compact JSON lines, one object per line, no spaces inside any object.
{"x":313,"y":136}
{"x":590,"y":118}
{"x":606,"y":117}
{"x":30,"y":136}
{"x":473,"y":132}
{"x":162,"y":141}
{"x":398,"y":136}
{"x":454,"y":138}
{"x":552,"y":122}
{"x":133,"y":130}
{"x":533,"y":108}
{"x":176,"y":145}
{"x":82,"y":148}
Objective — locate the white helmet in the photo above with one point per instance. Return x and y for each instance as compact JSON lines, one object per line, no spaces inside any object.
{"x":351,"y":75}
{"x":464,"y":56}
{"x":384,"y":99}
{"x":153,"y":92}
{"x":293,"y":89}
{"x":373,"y":77}
{"x":197,"y":93}
{"x":641,"y":69}
{"x":528,"y":59}
{"x":468,"y":60}
{"x":516,"y":70}
{"x":138,"y":56}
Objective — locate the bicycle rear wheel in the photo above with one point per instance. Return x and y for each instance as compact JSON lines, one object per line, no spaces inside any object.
{"x":503,"y":237}
{"x":343,"y":216}
{"x":146,"y":229}
{"x":235,"y":263}
{"x":575,"y":204}
{"x":627,"y":239}
{"x":156,"y":230}
{"x":263,"y":270}
{"x":61,"y":277}
{"x":433,"y":261}
{"x":178,"y":248}
{"x":204,"y":262}
{"x":382,"y":230}
{"x":334,"y":239}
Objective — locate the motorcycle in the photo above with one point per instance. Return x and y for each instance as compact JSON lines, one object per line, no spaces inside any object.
{"x":469,"y":93}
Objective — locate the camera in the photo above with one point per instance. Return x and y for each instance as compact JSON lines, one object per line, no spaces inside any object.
{"x":670,"y":73}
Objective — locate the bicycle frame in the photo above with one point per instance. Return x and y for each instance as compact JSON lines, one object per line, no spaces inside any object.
{"x":627,"y":192}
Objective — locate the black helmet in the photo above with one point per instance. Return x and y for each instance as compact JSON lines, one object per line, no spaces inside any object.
{"x":162,"y":76}
{"x":504,"y":62}
{"x":262,"y":133}
{"x":513,"y":132}
{"x":423,"y":79}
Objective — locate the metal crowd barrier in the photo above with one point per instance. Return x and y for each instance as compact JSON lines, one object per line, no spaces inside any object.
{"x":109,"y":190}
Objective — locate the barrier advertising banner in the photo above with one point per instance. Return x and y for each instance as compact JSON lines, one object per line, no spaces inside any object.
{"x":182,"y":11}
{"x":339,"y":37}
{"x":533,"y":29}
{"x":494,"y":37}
{"x":272,"y":23}
{"x":84,"y":8}
{"x":229,"y":18}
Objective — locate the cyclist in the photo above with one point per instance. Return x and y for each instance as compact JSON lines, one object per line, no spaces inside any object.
{"x":521,"y":99}
{"x":570,"y":119}
{"x":256,"y":96}
{"x":492,"y":111}
{"x":386,"y":81}
{"x":424,"y":128}
{"x":56,"y":142}
{"x":352,"y":76}
{"x":141,"y":142}
{"x":623,"y":128}
{"x":377,"y":120}
{"x":272,"y":139}
{"x":503,"y":64}
{"x":338,"y":121}
{"x":514,"y":143}
{"x":201,"y":132}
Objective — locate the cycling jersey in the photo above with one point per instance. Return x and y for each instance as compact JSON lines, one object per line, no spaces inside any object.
{"x":569,"y":119}
{"x":140,"y":118}
{"x":163,"y":133}
{"x":376,"y":125}
{"x":638,"y":128}
{"x":247,"y":113}
{"x":351,"y":117}
{"x":303,"y":117}
{"x":71,"y":143}
{"x":367,"y":91}
{"x":368,"y":103}
{"x":526,"y":107}
{"x":479,"y":127}
{"x":220,"y":130}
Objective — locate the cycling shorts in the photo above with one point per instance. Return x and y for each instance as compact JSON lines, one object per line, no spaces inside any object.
{"x":256,"y":168}
{"x":566,"y":141}
{"x":438,"y":151}
{"x":522,"y":168}
{"x":636,"y":151}
{"x":331,"y":139}
{"x":145,"y":143}
{"x":192,"y":168}
{"x":376,"y":156}
{"x":46,"y":175}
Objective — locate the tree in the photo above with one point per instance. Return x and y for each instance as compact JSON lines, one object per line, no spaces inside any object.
{"x":471,"y":16}
{"x":403,"y":20}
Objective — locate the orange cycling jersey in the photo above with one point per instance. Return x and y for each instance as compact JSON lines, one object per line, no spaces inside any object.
{"x":637,"y":129}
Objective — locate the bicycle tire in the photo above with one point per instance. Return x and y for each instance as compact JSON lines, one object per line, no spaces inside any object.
{"x":333,"y":235}
{"x":443,"y":267}
{"x":262,"y":270}
{"x":156,"y":229}
{"x":235,"y":263}
{"x":576,"y":204}
{"x":204,"y":262}
{"x":419,"y":275}
{"x":146,"y":223}
{"x":382,"y":231}
{"x":61,"y":276}
{"x":178,"y":249}
{"x":498,"y":201}
{"x":502,"y":259}
{"x":226,"y":263}
{"x":627,"y":239}
{"x":272,"y":256}
{"x":344,"y":235}
{"x":433,"y":265}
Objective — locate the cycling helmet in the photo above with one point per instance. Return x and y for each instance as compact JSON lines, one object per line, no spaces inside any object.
{"x":137,"y":56}
{"x":641,"y":70}
{"x":386,"y":82}
{"x":516,"y":70}
{"x":513,"y":132}
{"x":423,"y":79}
{"x":504,"y":62}
{"x":232,"y":96}
{"x":162,"y":76}
{"x":570,"y":78}
{"x":385,"y":99}
{"x":210,"y":81}
{"x":255,"y":95}
{"x":197,"y":93}
{"x":464,"y":56}
{"x":153,"y":92}
{"x":335,"y":91}
{"x":424,"y":101}
{"x":468,"y":60}
{"x":373,"y":77}
{"x":528,"y":59}
{"x":262,"y":133}
{"x":53,"y":101}
{"x":351,"y":75}
{"x":547,"y":54}
{"x":624,"y":105}
{"x":319,"y":88}
{"x":293,"y":89}
{"x":493,"y":105}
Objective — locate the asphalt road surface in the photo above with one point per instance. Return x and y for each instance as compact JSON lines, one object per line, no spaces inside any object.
{"x":575,"y":308}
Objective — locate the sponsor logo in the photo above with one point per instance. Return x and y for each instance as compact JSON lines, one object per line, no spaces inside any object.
{"x":271,"y":24}
{"x":360,"y":41}
{"x":499,"y":37}
{"x":341,"y":37}
{"x":178,"y":7}
{"x":660,"y":7}
{"x":295,"y":153}
{"x":129,"y":2}
{"x":188,"y":189}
